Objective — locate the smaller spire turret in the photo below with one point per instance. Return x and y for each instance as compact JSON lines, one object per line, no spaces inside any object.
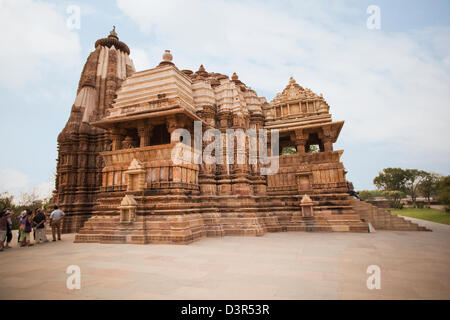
{"x":201,"y":69}
{"x":236,"y":80}
{"x":167,"y":58}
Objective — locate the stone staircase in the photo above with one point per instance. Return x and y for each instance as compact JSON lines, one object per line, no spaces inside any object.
{"x":333,"y":212}
{"x":181,"y":219}
{"x":382,"y":219}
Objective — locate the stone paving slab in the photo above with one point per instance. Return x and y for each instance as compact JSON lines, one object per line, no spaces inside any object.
{"x":287,"y":265}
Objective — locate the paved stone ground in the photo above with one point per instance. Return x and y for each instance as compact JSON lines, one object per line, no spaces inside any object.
{"x":288,"y":265}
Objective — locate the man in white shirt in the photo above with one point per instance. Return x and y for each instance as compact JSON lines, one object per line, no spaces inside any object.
{"x":56,"y":219}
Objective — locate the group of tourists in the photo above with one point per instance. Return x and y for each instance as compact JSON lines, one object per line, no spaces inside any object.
{"x":29,"y":221}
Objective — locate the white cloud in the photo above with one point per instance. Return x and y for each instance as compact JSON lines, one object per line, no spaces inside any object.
{"x":13,"y":181}
{"x":44,"y":189}
{"x":140,"y":59}
{"x":34,"y":33}
{"x":18,"y":184}
{"x":391,"y":88}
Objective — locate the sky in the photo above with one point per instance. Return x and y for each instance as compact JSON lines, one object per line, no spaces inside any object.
{"x":390,"y":84}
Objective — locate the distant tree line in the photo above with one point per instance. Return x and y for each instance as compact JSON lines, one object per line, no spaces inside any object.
{"x":28,"y":201}
{"x":396,"y":183}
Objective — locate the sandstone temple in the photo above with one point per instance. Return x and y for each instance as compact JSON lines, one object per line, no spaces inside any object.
{"x":118,"y":183}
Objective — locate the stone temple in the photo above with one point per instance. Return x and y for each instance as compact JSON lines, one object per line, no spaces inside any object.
{"x":118,"y":183}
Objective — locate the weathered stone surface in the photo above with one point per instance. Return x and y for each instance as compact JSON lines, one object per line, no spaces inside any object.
{"x":119,"y":183}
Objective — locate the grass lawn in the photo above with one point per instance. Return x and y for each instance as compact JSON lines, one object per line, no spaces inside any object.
{"x":425,"y":214}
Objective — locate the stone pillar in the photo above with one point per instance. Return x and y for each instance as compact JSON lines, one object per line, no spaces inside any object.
{"x":241,"y":183}
{"x":224,"y":170}
{"x":327,"y":139}
{"x":172,"y":125}
{"x":207,"y":175}
{"x":259,"y":181}
{"x":116,"y":139}
{"x":144,"y":131}
{"x":300,"y":141}
{"x":327,"y":144}
{"x":208,"y":114}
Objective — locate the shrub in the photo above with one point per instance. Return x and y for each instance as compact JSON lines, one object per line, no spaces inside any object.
{"x":369,"y":194}
{"x":395,"y":197}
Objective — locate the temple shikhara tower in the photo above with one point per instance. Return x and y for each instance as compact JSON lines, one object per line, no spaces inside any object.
{"x":118,"y":182}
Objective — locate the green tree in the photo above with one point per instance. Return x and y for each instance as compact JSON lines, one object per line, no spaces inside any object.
{"x":444,"y":192}
{"x":6,"y":201}
{"x":413,"y":180}
{"x":391,"y":179}
{"x":369,"y":194}
{"x":428,"y":187}
{"x":313,"y":148}
{"x":288,"y":150}
{"x":395,"y":196}
{"x":28,"y":201}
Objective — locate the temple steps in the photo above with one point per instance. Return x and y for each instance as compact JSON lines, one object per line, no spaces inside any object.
{"x":182,"y":219}
{"x":333,"y":207}
{"x":146,"y":229}
{"x":326,"y":223}
{"x":335,"y":212}
{"x":384,"y":220}
{"x":343,"y":195}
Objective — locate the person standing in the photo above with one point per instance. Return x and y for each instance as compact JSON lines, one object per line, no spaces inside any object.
{"x":21,"y":216}
{"x":32,"y":223}
{"x":25,"y":230}
{"x":3,"y":228}
{"x":8,"y":228}
{"x":56,"y":219}
{"x":39,"y":226}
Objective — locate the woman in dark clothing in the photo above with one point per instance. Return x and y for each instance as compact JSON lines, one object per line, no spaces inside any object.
{"x":39,"y":226}
{"x":3,"y":226}
{"x":8,"y":230}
